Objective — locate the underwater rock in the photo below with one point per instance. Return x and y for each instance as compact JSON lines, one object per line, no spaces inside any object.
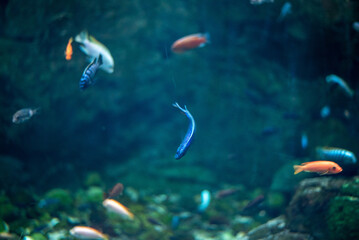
{"x":64,"y":197}
{"x":308,"y":207}
{"x":94,"y":195}
{"x":93,"y":179}
{"x":343,"y":218}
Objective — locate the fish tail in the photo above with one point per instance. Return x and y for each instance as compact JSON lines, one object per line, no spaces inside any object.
{"x":176,"y":105}
{"x":36,"y":111}
{"x":297,"y":169}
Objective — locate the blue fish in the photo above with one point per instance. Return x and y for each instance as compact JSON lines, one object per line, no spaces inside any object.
{"x":182,"y":149}
{"x":87,"y":78}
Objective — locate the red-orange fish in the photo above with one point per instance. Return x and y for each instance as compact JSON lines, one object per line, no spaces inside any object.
{"x":190,"y":42}
{"x":68,"y":51}
{"x":320,"y":167}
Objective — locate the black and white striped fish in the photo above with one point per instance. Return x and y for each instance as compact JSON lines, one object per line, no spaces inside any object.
{"x":87,"y":78}
{"x":338,"y":155}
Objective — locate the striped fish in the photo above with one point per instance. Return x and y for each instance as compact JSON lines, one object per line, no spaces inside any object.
{"x":87,"y":78}
{"x":336,"y":155}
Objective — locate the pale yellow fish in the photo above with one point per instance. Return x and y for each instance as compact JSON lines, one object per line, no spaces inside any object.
{"x":93,"y":48}
{"x":116,"y":207}
{"x":83,"y":232}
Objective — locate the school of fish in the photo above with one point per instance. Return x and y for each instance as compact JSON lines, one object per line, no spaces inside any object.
{"x":100,"y":57}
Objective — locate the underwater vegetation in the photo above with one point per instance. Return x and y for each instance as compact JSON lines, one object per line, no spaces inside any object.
{"x":91,"y":146}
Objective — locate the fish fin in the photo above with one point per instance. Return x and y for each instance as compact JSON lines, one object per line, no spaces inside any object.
{"x":99,"y":60}
{"x":83,"y":48}
{"x":82,"y":36}
{"x":176,"y":105}
{"x":323,"y":173}
{"x":297,"y":169}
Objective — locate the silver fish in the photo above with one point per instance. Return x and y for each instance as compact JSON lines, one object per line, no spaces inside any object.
{"x":24,"y":114}
{"x":336,"y":155}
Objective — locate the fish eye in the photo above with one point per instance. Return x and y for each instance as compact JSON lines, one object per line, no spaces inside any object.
{"x":334,"y":168}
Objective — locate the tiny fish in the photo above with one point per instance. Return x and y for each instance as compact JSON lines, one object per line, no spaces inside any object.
{"x":116,"y":207}
{"x":320,"y":167}
{"x":336,"y":154}
{"x":82,"y":232}
{"x":182,"y":149}
{"x":304,"y":140}
{"x":337,"y":80}
{"x":68,"y":51}
{"x":258,"y":2}
{"x":115,"y":191}
{"x":205,"y":200}
{"x":325,"y":111}
{"x":92,"y":48}
{"x":225,"y":193}
{"x":191,"y":41}
{"x":254,"y":203}
{"x":24,"y":114}
{"x":88,"y":75}
{"x":356,"y":26}
{"x":286,"y":9}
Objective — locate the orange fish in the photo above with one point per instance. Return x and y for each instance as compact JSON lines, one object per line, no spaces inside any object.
{"x":320,"y":167}
{"x":190,"y":42}
{"x":68,"y":52}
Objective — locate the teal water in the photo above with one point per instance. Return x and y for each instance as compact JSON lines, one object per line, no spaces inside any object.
{"x":254,"y":90}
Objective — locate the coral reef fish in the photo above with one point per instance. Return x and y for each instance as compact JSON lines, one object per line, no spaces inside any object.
{"x":320,"y":167}
{"x":182,"y":149}
{"x":356,"y":26}
{"x":226,"y":192}
{"x":24,"y":114}
{"x":88,"y":75}
{"x":325,"y":111}
{"x":115,"y":191}
{"x":258,"y":2}
{"x":92,"y":48}
{"x":83,"y":232}
{"x":191,"y":41}
{"x":285,"y":10}
{"x":337,"y":80}
{"x":68,"y":51}
{"x":205,"y":200}
{"x":116,"y":207}
{"x":254,"y":203}
{"x":336,"y":154}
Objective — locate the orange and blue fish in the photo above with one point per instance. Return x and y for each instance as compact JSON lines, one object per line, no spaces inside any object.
{"x":191,"y":41}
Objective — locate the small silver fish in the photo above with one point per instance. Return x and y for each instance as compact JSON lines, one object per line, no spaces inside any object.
{"x":337,"y":80}
{"x":24,"y":114}
{"x":336,"y":155}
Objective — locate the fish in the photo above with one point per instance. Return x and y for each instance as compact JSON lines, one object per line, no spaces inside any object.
{"x":325,"y":111}
{"x":304,"y":140}
{"x":320,"y":167}
{"x":254,"y":203}
{"x":186,"y":142}
{"x":334,"y":79}
{"x":115,"y":191}
{"x":356,"y":26}
{"x":116,"y":207}
{"x":83,"y":232}
{"x":191,"y":41}
{"x":258,"y":2}
{"x":5,"y":235}
{"x":24,"y":114}
{"x":226,"y":193}
{"x":68,"y":51}
{"x":92,"y":48}
{"x":88,"y":76}
{"x":336,"y":154}
{"x":285,"y":10}
{"x":205,"y":200}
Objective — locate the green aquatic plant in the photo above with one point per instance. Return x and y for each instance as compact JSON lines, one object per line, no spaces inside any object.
{"x":343,"y":218}
{"x":38,"y":236}
{"x":94,"y":195}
